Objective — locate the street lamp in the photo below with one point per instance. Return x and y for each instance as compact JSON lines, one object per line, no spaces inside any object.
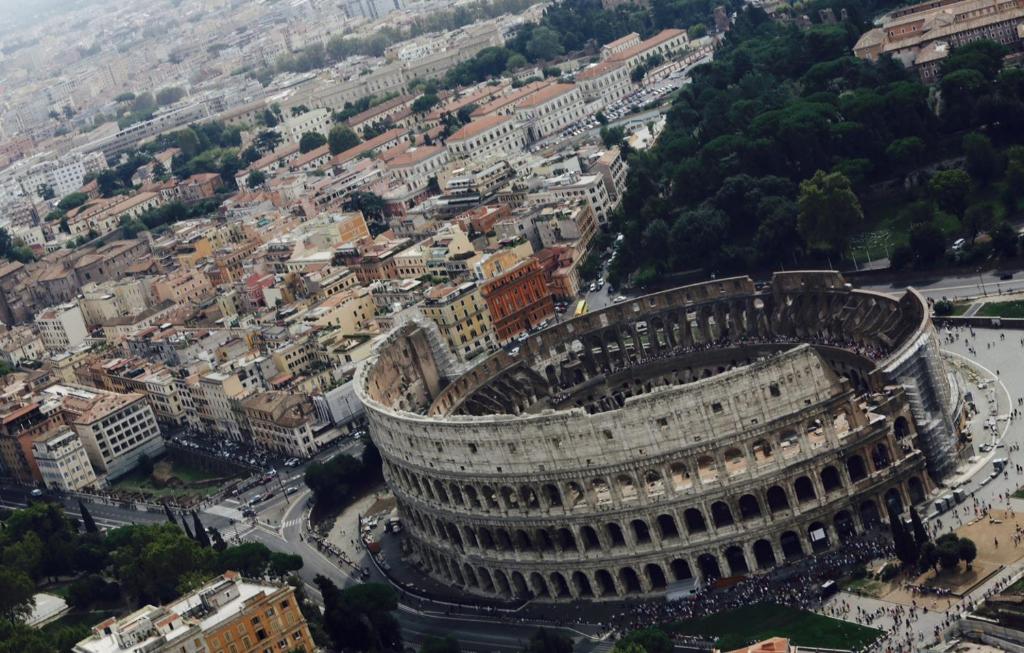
{"x":984,"y":291}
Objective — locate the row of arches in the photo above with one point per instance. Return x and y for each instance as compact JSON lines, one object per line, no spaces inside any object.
{"x":760,"y":554}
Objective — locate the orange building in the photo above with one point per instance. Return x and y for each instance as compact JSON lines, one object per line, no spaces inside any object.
{"x":518,"y":300}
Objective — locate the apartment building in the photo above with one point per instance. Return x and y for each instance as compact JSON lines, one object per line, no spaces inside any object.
{"x":518,"y":300}
{"x":607,"y":81}
{"x":316,"y":121}
{"x":490,"y":136}
{"x":20,"y":344}
{"x":550,"y":109}
{"x":612,"y":168}
{"x":349,"y":311}
{"x":109,"y":300}
{"x":62,"y":327}
{"x":226,"y":615}
{"x":571,"y":187}
{"x":214,"y":397}
{"x":20,"y":425}
{"x":417,"y":165}
{"x":619,"y":45}
{"x":183,"y":286}
{"x":282,"y":422}
{"x":461,"y":314}
{"x":116,"y":429}
{"x":665,"y":43}
{"x":62,"y":461}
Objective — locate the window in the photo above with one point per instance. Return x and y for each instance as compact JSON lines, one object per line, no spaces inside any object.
{"x":716,"y":407}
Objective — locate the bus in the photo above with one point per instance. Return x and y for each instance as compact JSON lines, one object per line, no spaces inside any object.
{"x":581,"y":308}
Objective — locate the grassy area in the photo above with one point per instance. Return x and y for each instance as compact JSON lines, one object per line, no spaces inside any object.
{"x":137,"y":481}
{"x":1002,"y":309}
{"x":865,"y":586}
{"x":740,"y":627}
{"x":87,"y":619}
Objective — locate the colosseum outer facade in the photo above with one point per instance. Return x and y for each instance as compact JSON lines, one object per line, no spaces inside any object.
{"x":710,"y":430}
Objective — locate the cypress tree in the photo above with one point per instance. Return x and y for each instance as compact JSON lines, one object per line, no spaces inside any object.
{"x":201,"y":536}
{"x":170,"y":515}
{"x":920,"y":534}
{"x":87,"y":520}
{"x":188,"y":531}
{"x":906,"y":551}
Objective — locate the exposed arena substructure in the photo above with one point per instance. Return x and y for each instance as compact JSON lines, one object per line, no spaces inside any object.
{"x":710,"y":430}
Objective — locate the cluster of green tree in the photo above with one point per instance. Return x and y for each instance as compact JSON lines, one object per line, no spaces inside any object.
{"x":160,"y":216}
{"x":137,"y":108}
{"x":916,"y":550}
{"x":645,"y":66}
{"x":362,"y":104}
{"x":734,"y":182}
{"x":310,"y":141}
{"x":338,"y":481}
{"x":118,"y":180}
{"x":121,"y":569}
{"x":14,"y":249}
{"x":645,"y":640}
{"x":206,"y":147}
{"x":359,"y":618}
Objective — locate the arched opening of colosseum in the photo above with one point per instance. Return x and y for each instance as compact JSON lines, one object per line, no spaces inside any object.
{"x":764,"y":555}
{"x":455,"y":494}
{"x":521,"y":540}
{"x":830,"y":479}
{"x":680,"y":569}
{"x":472,"y":498}
{"x":544,"y":541}
{"x":428,"y":490}
{"x":694,"y":521}
{"x":735,"y":462}
{"x":789,"y":443}
{"x":680,"y":477}
{"x":559,"y":587}
{"x":470,"y":575}
{"x":553,"y":496}
{"x":845,"y":528}
{"x":818,"y":535}
{"x":869,"y":515}
{"x":901,"y":427}
{"x":529,"y":498}
{"x":655,"y":576}
{"x":519,"y":586}
{"x":539,"y":585}
{"x":630,"y":581}
{"x":490,"y":498}
{"x":762,"y":451}
{"x":486,"y":583}
{"x":605,"y":583}
{"x":602,"y":493}
{"x":471,"y":538}
{"x":855,"y":467}
{"x":456,"y":574}
{"x":501,"y":583}
{"x":706,"y":469}
{"x":455,"y":537}
{"x":749,"y":507}
{"x":485,"y":538}
{"x":582,"y":584}
{"x":615,"y":535}
{"x":591,"y":541}
{"x":894,"y":501}
{"x":792,"y":549}
{"x":573,"y":494}
{"x":667,"y":527}
{"x":880,"y":456}
{"x":503,"y":540}
{"x":654,"y":485}
{"x":709,"y":569}
{"x":804,"y":489}
{"x":508,"y":497}
{"x":641,"y":532}
{"x":440,"y":529}
{"x":552,"y":376}
{"x":721,"y":514}
{"x":565,"y":539}
{"x":627,"y":489}
{"x":815,"y":434}
{"x":736,"y":560}
{"x":915,"y":488}
{"x":777,"y":499}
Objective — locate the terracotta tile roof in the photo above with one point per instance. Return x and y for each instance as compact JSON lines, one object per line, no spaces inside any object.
{"x":501,"y":102}
{"x":545,"y":95}
{"x":643,"y":46}
{"x":598,"y":70}
{"x":379,"y":109}
{"x":415,"y":155}
{"x":368,"y":146}
{"x":478,"y":126}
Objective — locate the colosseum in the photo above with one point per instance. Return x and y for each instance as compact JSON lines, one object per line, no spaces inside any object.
{"x":711,"y":430}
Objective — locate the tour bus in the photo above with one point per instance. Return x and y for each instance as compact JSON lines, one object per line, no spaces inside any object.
{"x":581,"y":308}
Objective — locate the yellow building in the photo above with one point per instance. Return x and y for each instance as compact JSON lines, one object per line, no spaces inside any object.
{"x":349,"y":311}
{"x":461,"y":314}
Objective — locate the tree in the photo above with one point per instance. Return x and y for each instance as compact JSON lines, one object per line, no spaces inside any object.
{"x":928,"y":245}
{"x":268,"y":119}
{"x":249,"y":559}
{"x":72,"y":201}
{"x":906,"y":153}
{"x":515,"y":62}
{"x":425,"y":103}
{"x":267,"y":141}
{"x":188,"y":531}
{"x":978,"y":218}
{"x":1004,"y":240}
{"x":547,"y":641}
{"x":697,"y":30}
{"x":949,"y":553}
{"x":651,"y":640}
{"x":920,"y":534}
{"x":87,"y":520}
{"x":950,"y":189}
{"x":170,"y":515}
{"x":342,"y":138}
{"x":16,"y":595}
{"x":982,"y":161}
{"x":929,"y":558}
{"x":170,"y":95}
{"x":311,"y":141}
{"x":255,"y":179}
{"x":612,"y":136}
{"x":201,"y":535}
{"x":906,"y":550}
{"x":218,"y":541}
{"x":46,"y":192}
{"x":282,"y":564}
{"x":544,"y":44}
{"x":967,"y":550}
{"x":829,"y":211}
{"x":446,"y":644}
{"x":145,"y":465}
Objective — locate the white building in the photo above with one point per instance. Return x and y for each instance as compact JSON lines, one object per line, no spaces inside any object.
{"x":20,"y":344}
{"x":550,"y":109}
{"x":64,"y":175}
{"x":570,"y":187}
{"x":116,"y":429}
{"x":607,"y":81}
{"x":63,"y":461}
{"x":414,"y":167}
{"x":490,"y":136}
{"x":62,"y":327}
{"x":315,"y":120}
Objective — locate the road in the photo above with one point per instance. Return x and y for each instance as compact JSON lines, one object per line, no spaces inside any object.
{"x":957,"y":285}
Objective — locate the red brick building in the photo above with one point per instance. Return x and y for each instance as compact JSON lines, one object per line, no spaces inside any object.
{"x":518,"y":300}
